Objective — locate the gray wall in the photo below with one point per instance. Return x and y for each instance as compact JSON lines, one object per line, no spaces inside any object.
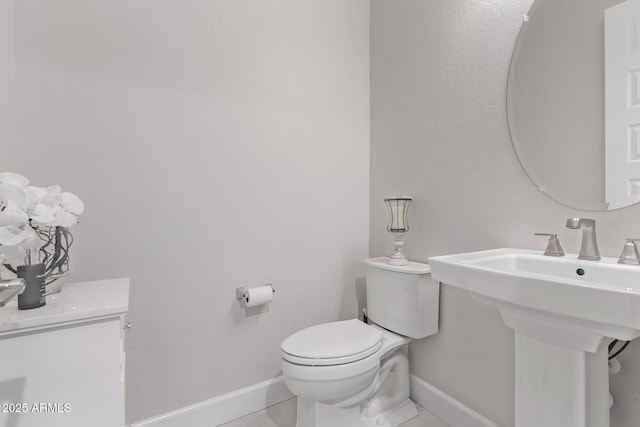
{"x":6,"y":82}
{"x":215,"y":144}
{"x":439,"y":132}
{"x":200,"y":135}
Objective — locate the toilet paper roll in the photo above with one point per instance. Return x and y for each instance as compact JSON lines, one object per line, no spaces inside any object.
{"x":258,"y":296}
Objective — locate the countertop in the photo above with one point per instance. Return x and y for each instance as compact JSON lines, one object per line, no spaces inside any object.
{"x":78,"y":302}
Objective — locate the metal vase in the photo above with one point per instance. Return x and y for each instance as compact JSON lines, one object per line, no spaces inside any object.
{"x":33,"y":295}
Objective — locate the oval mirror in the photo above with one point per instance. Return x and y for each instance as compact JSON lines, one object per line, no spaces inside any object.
{"x":573,"y":101}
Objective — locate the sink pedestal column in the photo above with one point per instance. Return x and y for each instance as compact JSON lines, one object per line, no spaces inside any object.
{"x":562,"y":376}
{"x":558,"y":386}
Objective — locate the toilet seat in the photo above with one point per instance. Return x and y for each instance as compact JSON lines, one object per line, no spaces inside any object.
{"x":331,"y":344}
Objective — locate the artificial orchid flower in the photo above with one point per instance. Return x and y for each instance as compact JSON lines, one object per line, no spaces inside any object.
{"x":11,"y":197}
{"x":24,"y":208}
{"x":52,"y":207}
{"x":14,"y":227}
{"x":14,"y":179}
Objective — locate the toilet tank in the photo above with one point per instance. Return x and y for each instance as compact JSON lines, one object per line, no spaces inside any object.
{"x":403,"y":299}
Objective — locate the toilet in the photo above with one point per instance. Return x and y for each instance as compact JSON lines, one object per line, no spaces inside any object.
{"x":350,"y":373}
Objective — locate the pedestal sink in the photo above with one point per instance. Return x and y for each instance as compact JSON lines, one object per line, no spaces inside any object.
{"x":565,"y":312}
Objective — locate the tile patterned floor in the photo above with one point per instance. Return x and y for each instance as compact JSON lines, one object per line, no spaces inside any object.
{"x":284,"y":415}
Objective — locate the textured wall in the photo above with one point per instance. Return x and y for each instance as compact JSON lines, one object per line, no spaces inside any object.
{"x":439,"y":132}
{"x":216,"y":144}
{"x":201,"y":134}
{"x":6,"y":82}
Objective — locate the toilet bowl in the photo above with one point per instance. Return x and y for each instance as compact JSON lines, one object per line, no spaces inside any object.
{"x":353,"y":374}
{"x":348,"y":374}
{"x":332,"y":361}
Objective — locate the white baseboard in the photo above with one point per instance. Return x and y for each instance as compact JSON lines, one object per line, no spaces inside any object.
{"x":224,"y":408}
{"x":446,"y":407}
{"x":227,"y":407}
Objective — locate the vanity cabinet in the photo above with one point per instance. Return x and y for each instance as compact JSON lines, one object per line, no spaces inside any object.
{"x":63,"y":364}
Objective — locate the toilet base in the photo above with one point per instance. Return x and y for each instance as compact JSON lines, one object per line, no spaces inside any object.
{"x":385,"y":402}
{"x":315,"y":414}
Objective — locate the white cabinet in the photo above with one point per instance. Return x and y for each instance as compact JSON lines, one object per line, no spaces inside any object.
{"x":63,"y":364}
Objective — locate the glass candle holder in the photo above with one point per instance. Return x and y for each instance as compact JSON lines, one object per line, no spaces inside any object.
{"x":397,"y":209}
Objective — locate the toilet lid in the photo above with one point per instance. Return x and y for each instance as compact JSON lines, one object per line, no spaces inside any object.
{"x":341,"y":342}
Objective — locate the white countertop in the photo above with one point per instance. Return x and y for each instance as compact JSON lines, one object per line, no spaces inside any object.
{"x":77,"y":302}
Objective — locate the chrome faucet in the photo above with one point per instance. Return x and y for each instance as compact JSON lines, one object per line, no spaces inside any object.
{"x":589,"y":248}
{"x":10,"y":288}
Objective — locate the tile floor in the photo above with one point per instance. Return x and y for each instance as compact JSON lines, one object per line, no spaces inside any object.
{"x":284,"y":415}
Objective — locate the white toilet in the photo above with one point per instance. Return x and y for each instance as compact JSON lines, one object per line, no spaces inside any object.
{"x":349,"y":373}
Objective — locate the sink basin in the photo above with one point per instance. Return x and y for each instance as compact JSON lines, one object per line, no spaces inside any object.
{"x":564,"y":313}
{"x":602,"y":294}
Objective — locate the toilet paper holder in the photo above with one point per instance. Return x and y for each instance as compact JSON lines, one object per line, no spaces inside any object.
{"x":243,"y":293}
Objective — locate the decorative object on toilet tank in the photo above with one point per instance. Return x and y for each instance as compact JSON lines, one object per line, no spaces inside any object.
{"x":34,"y":223}
{"x":397,"y":209}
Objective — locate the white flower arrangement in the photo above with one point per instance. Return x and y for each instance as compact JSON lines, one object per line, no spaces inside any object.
{"x":28,"y":213}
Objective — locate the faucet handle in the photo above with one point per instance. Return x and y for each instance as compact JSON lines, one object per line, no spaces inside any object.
{"x":553,"y":245}
{"x":630,"y":254}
